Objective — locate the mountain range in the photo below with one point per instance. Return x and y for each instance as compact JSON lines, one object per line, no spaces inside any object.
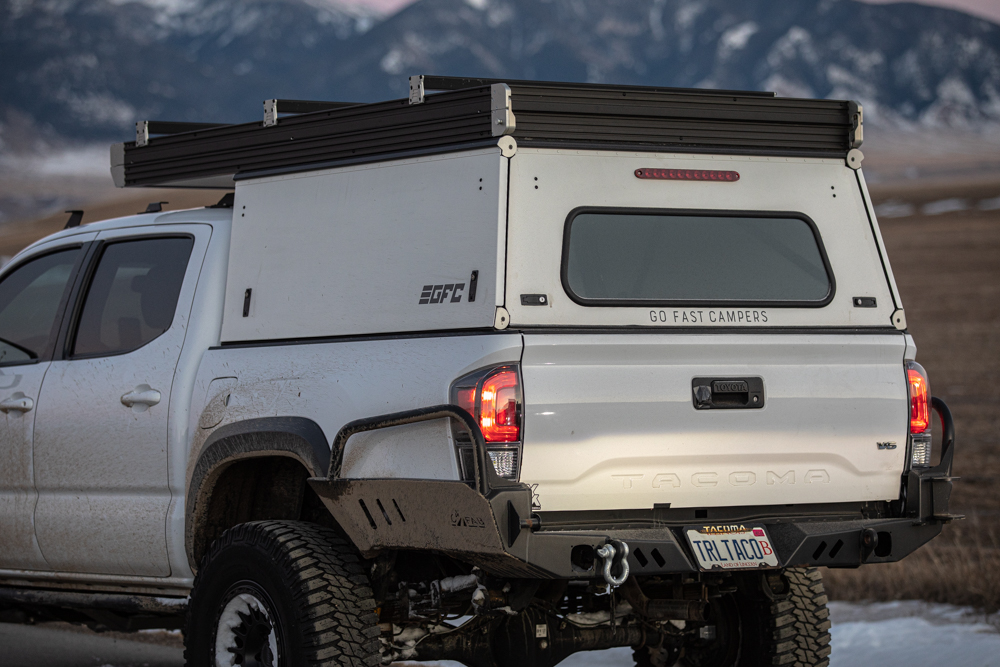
{"x":87,"y":69}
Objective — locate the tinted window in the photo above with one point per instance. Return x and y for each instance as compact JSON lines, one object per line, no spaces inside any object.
{"x":133,"y":295}
{"x":29,"y":302}
{"x":614,"y":258}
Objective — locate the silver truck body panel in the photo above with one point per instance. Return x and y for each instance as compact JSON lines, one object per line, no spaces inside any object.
{"x":18,"y":496}
{"x":101,"y":468}
{"x":336,"y":382}
{"x":610,"y":422}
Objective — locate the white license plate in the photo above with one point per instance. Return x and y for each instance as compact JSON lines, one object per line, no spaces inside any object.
{"x":732,"y":547}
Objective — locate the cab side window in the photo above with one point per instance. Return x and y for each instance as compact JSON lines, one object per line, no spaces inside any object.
{"x":29,"y":302}
{"x":132,"y":296}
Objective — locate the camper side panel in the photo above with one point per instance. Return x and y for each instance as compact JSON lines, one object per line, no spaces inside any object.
{"x":377,"y":248}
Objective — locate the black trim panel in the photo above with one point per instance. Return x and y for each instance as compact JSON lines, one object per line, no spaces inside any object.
{"x":298,"y":437}
{"x":562,"y":329}
{"x":319,"y":340}
{"x":701,"y":213}
{"x":314,"y":452}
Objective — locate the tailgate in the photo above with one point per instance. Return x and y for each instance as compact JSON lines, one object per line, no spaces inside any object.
{"x":611,"y":423}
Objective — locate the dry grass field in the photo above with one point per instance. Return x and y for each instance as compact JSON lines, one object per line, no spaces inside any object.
{"x":947,"y":267}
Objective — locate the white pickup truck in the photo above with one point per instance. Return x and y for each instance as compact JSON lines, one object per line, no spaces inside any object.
{"x":494,"y":375}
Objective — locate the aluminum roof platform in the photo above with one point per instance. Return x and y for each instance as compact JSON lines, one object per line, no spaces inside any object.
{"x":471,"y":112}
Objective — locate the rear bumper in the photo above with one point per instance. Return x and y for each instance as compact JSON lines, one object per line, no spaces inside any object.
{"x":492,"y":526}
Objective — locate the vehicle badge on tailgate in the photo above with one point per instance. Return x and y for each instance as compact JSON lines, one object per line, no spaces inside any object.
{"x":886,"y":445}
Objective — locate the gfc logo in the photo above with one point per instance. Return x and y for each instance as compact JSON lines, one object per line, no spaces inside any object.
{"x":441,"y":293}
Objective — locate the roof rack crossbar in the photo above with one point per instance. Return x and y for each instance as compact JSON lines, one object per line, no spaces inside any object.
{"x":145,"y":128}
{"x":276,"y":106}
{"x":432,"y":82}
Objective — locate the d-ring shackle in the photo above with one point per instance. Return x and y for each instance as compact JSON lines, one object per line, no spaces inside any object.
{"x":607,"y":554}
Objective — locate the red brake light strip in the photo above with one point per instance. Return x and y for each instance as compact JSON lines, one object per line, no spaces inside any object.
{"x":688,"y":175}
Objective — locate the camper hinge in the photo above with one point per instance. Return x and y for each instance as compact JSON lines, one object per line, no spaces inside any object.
{"x":854,"y":158}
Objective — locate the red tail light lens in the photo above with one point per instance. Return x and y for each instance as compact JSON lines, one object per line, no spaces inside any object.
{"x":920,"y":399}
{"x":499,"y":416}
{"x":492,"y":396}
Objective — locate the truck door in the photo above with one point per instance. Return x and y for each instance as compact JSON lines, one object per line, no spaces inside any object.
{"x":32,"y":296}
{"x":101,"y":438}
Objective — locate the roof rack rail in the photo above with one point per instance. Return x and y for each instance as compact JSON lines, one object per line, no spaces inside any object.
{"x":476,"y":112}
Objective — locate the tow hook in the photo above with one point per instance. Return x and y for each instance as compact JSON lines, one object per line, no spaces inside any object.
{"x":614,"y":553}
{"x":869,"y":542}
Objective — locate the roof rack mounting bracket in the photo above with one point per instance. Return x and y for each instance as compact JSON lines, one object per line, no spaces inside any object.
{"x":270,"y":113}
{"x":417,"y":89}
{"x":855,"y":113}
{"x":503,"y":121}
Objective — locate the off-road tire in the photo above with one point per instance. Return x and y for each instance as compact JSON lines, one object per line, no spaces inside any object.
{"x":313,"y":580}
{"x":799,"y":625}
{"x":792,"y":630}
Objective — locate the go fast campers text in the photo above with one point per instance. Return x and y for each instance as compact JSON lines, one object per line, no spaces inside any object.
{"x":709,"y":316}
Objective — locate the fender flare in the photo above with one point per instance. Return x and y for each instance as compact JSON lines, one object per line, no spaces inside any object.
{"x":299,"y":438}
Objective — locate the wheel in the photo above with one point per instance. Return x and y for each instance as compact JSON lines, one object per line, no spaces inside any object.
{"x":281,"y":594}
{"x":797,"y":628}
{"x":793,"y":630}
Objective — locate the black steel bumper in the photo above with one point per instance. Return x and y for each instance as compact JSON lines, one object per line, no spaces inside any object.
{"x":492,"y":526}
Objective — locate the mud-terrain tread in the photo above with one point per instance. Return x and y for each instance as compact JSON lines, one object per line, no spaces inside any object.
{"x":336,"y":617}
{"x":800,"y":623}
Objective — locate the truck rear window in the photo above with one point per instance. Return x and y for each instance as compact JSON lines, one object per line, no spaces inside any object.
{"x":621,"y":258}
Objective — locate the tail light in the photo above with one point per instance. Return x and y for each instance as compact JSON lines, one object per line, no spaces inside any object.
{"x":920,"y":415}
{"x":493,"y":397}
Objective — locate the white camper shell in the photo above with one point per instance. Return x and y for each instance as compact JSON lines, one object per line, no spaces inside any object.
{"x":477,"y":239}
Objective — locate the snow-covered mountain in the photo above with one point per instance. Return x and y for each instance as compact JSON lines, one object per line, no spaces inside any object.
{"x":93,"y":67}
{"x":90,"y":68}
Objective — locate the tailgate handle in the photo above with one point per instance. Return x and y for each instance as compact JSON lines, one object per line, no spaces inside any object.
{"x":727,"y":393}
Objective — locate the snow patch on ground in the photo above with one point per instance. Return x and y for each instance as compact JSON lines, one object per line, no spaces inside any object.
{"x":945,"y":206}
{"x":908,"y":633}
{"x":911,"y":633}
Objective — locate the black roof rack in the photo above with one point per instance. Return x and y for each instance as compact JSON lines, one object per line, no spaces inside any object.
{"x":477,"y":111}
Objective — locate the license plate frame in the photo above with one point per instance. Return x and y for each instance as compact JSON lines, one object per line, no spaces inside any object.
{"x":726,"y":547}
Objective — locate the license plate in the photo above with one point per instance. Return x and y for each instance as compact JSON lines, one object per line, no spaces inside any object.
{"x":733,"y":547}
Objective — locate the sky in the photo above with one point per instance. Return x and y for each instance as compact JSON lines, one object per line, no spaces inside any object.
{"x":989,"y":9}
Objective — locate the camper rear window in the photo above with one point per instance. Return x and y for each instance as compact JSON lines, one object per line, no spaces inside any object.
{"x":628,"y":258}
